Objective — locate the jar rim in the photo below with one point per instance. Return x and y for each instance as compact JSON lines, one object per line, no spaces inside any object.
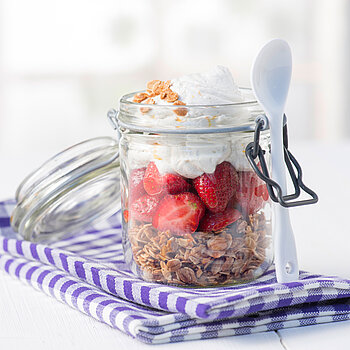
{"x":126,"y":99}
{"x":187,"y":119}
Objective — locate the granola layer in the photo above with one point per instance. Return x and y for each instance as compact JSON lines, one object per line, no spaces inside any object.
{"x":202,"y":259}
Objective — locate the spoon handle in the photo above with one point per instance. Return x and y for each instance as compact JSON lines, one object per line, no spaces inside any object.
{"x":286,"y":262}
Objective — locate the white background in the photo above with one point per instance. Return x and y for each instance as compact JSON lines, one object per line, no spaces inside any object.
{"x":64,"y":63}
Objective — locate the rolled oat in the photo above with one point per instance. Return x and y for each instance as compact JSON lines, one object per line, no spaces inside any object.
{"x":201,"y":259}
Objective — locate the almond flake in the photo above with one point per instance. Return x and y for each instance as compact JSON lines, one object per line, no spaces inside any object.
{"x":181,"y":112}
{"x":141,"y":96}
{"x":149,"y":101}
{"x":171,"y":96}
{"x":179,"y":103}
{"x":167,"y":84}
{"x":153,"y":85}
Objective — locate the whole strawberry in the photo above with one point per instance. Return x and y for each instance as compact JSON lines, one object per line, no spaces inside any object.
{"x":179,"y":213}
{"x":174,"y":184}
{"x":216,"y":189}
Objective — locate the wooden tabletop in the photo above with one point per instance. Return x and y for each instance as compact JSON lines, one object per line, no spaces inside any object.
{"x":31,"y":320}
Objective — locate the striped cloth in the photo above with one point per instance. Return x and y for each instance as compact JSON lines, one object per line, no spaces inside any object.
{"x":87,"y":272}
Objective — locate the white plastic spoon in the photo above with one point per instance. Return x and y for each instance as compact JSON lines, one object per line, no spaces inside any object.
{"x":270,"y":77}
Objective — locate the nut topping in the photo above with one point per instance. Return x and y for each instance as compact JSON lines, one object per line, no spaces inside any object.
{"x":138,"y":98}
{"x":162,"y":89}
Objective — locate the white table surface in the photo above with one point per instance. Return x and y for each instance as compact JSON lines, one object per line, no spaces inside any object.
{"x":31,"y":320}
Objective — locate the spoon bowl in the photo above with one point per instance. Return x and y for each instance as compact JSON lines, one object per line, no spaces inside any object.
{"x":271,"y":75}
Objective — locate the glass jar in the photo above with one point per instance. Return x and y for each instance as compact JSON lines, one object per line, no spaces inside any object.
{"x":194,"y":213}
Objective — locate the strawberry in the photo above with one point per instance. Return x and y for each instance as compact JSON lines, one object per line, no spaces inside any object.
{"x":265,"y":193}
{"x":126,"y":215}
{"x":248,"y":181}
{"x":179,"y":213}
{"x":156,"y":184}
{"x":258,"y":191}
{"x":144,"y":208}
{"x":136,"y":188}
{"x":251,"y":192}
{"x":261,"y":191}
{"x":217,"y":221}
{"x":153,"y":182}
{"x":174,"y":184}
{"x":216,"y":189}
{"x":249,"y":203}
{"x":260,"y":186}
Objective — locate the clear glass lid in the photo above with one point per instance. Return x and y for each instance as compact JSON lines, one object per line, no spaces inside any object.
{"x":68,"y":192}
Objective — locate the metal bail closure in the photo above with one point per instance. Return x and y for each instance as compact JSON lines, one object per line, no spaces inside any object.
{"x":254,"y":150}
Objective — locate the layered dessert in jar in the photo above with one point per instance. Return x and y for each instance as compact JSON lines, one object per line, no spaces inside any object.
{"x":194,"y":212}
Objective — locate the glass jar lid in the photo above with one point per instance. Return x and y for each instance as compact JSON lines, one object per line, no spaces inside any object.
{"x":76,"y":187}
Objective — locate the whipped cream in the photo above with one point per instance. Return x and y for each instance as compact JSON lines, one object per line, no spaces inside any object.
{"x":215,"y":87}
{"x":193,"y":155}
{"x":189,"y":156}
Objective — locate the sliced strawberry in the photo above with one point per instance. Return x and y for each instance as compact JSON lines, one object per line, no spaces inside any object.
{"x":218,"y":221}
{"x":157,"y":184}
{"x":252,"y":180}
{"x":265,"y":193}
{"x":217,"y":189}
{"x":248,"y":182}
{"x":175,"y":184}
{"x":144,"y":208}
{"x":248,"y":203}
{"x":249,"y":193}
{"x":153,"y":182}
{"x":179,"y":213}
{"x":261,"y":191}
{"x":136,"y":188}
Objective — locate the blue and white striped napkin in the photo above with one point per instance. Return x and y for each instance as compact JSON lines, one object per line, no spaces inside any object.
{"x":87,"y":272}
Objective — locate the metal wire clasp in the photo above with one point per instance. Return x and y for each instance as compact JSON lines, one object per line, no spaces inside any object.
{"x":254,"y":150}
{"x":112,"y":116}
